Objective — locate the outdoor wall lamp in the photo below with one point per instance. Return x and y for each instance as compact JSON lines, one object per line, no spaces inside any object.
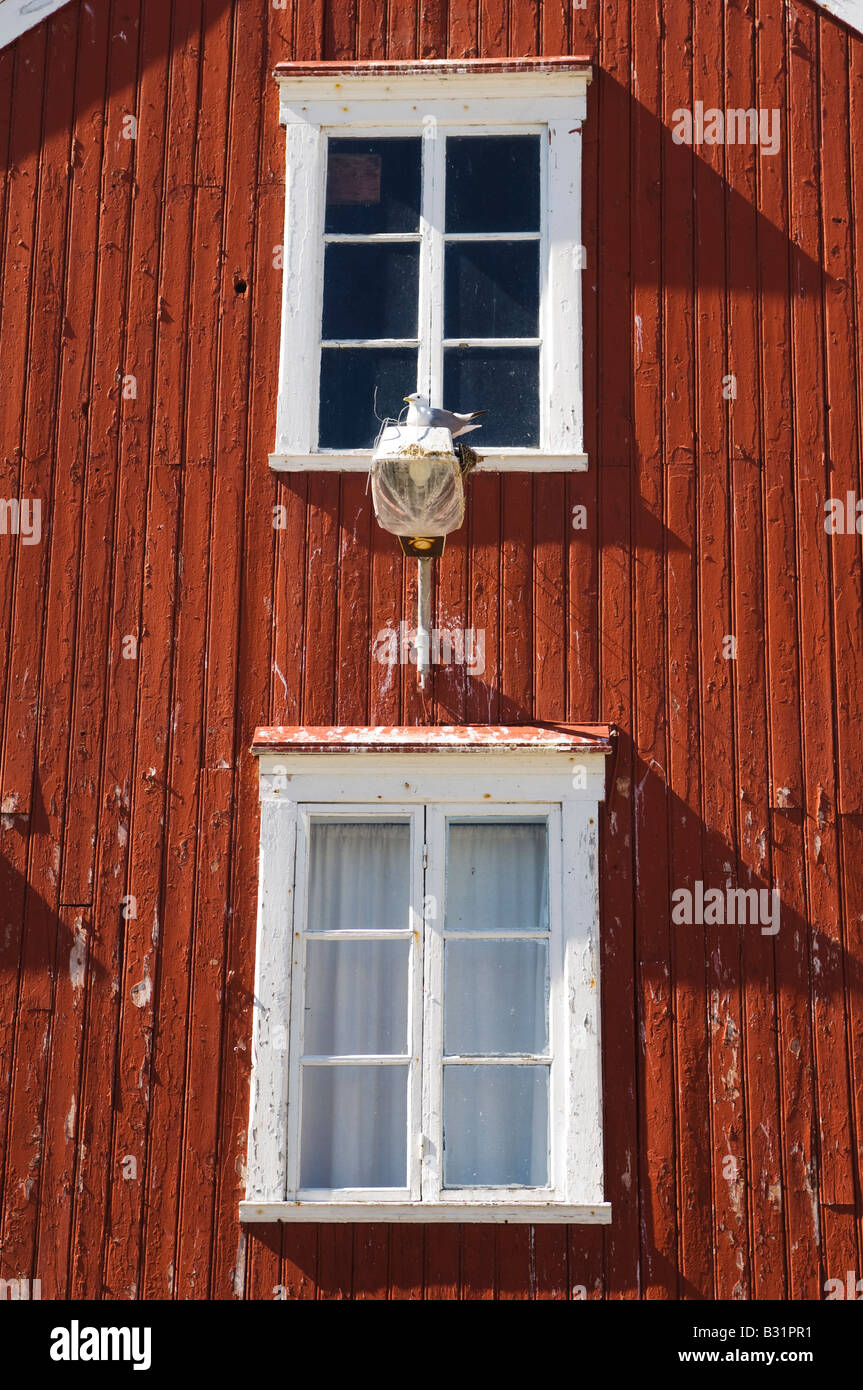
{"x":418,"y":495}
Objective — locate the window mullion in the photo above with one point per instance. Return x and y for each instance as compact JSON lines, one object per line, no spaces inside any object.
{"x":432,"y":1050}
{"x":430,"y":366}
{"x":415,"y":1010}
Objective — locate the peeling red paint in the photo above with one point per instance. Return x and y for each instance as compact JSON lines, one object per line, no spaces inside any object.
{"x":563,"y":738}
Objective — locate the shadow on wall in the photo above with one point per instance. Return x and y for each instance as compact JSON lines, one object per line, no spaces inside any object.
{"x":720,"y":1159}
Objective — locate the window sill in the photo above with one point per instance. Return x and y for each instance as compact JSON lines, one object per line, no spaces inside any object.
{"x":494,"y":461}
{"x":548,"y":1213}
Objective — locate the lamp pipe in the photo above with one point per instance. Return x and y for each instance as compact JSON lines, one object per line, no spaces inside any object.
{"x":423,"y":642}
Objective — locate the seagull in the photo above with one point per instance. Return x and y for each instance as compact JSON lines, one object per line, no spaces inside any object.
{"x":421,"y":413}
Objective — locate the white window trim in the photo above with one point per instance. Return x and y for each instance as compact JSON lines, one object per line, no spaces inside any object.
{"x":432,"y":104}
{"x":295,"y":784}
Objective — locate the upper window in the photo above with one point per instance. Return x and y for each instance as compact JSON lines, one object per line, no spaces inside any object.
{"x":427,"y":1032}
{"x":432,"y":244}
{"x":473,"y":284}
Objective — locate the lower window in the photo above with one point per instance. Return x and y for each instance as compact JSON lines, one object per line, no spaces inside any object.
{"x":432,"y":1043}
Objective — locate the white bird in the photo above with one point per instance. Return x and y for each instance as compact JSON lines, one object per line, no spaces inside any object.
{"x":421,"y":413}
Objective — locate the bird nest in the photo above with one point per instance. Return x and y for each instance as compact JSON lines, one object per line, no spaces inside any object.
{"x":468,"y":458}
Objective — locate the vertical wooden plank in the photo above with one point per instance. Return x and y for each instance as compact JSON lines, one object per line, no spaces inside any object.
{"x":614,"y":461}
{"x":841,"y":94}
{"x":783,"y":685}
{"x":851,"y":826}
{"x":842,"y":240}
{"x":432,"y":28}
{"x":450,"y":619}
{"x":279,"y":49}
{"x":657,"y":1175}
{"x":581,"y":503}
{"x":112,"y":1156}
{"x":517,"y":619}
{"x":524,"y":26}
{"x":265,"y":1281}
{"x":56,"y":1195}
{"x":493,"y":28}
{"x":300,"y":1261}
{"x":549,"y":598}
{"x":483,"y":694}
{"x":515,"y":1263}
{"x":335,"y":1261}
{"x":170,"y":1043}
{"x":687,"y":941}
{"x":20,"y":564}
{"x":340,"y":26}
{"x":478,"y":1263}
{"x":387,"y":612}
{"x":836,"y":1164}
{"x":354,"y":655}
{"x":204,"y":1102}
{"x":309,"y":29}
{"x":231,"y":985}
{"x":730,"y":1239}
{"x":102,"y":411}
{"x":763,"y":1156}
{"x":33,"y":921}
{"x":407,"y":1244}
{"x":549,"y":1257}
{"x":463,"y":29}
{"x":289,"y":599}
{"x":21,"y":205}
{"x":402,"y":29}
{"x":37,"y":719}
{"x":254,"y":673}
{"x":442,"y":1262}
{"x":370,"y":1266}
{"x":322,"y":579}
{"x":24,"y":663}
{"x":371,"y":29}
{"x":64,"y":530}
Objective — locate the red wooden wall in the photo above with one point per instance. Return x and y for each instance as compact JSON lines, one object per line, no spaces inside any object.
{"x":125,"y":1038}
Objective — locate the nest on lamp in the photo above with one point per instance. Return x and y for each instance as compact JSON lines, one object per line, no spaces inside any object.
{"x":468,"y":458}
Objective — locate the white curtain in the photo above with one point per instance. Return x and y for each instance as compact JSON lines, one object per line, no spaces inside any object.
{"x":356,"y":1003}
{"x":496,"y":1005}
{"x":354,"y":1117}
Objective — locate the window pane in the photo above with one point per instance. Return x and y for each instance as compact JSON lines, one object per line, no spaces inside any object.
{"x":359,"y":875}
{"x":492,"y":289}
{"x":354,"y":1126}
{"x":503,"y":381}
{"x":349,"y":379}
{"x":495,"y":1126}
{"x":497,"y":876}
{"x":373,"y":185}
{"x":492,"y":183}
{"x":370,"y":290}
{"x":495,"y":997}
{"x":356,"y":997}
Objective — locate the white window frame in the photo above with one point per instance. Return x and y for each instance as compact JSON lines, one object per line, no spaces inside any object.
{"x":297,"y":787}
{"x":551,"y":102}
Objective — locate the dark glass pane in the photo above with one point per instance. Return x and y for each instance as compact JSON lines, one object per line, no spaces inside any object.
{"x":492,"y":183}
{"x":492,"y":289}
{"x":373,"y":185}
{"x":349,"y":377}
{"x":503,"y":381}
{"x":371,"y":290}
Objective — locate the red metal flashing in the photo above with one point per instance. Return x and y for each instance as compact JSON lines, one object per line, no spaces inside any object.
{"x":444,"y":66}
{"x":558,"y":738}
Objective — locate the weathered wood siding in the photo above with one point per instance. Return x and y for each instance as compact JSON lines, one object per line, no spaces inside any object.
{"x":128,"y":849}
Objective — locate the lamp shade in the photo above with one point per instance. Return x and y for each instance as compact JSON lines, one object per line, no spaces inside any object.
{"x":417,"y":486}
